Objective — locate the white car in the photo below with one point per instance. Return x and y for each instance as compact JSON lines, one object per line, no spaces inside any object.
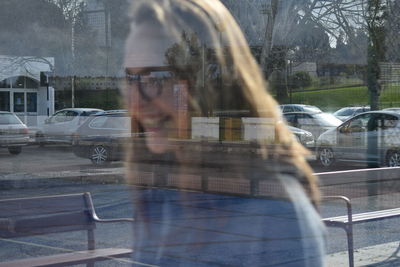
{"x":314,"y":122}
{"x":348,"y":112}
{"x":369,"y":137}
{"x":285,"y":108}
{"x":304,"y":137}
{"x":13,"y":133}
{"x":61,"y":126}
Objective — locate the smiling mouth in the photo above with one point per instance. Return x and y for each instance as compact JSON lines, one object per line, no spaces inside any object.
{"x":155,"y":124}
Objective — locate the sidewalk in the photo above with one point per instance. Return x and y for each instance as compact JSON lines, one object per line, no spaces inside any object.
{"x":378,"y":255}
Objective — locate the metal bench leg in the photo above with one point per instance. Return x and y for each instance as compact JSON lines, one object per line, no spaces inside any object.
{"x":350,"y":244}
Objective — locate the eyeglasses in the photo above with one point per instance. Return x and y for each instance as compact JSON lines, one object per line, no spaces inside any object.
{"x":150,"y":85}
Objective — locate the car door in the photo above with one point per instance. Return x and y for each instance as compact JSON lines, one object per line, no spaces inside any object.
{"x":60,"y":126}
{"x":352,"y":138}
{"x":51,"y":126}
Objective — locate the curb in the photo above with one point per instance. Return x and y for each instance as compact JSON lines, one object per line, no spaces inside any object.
{"x":62,"y":178}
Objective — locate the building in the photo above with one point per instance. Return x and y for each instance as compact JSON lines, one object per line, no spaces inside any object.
{"x":98,"y":20}
{"x":22,"y":92}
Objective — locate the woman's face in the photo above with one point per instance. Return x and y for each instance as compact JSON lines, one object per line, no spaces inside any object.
{"x":153,"y":93}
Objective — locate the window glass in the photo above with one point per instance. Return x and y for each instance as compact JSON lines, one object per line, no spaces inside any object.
{"x":190,"y":141}
{"x":359,"y":124}
{"x":6,"y":118}
{"x":4,"y":101}
{"x":70,"y":115}
{"x":58,"y":117}
{"x":5,"y":83}
{"x":19,"y":102}
{"x":31,"y":102}
{"x":98,"y":122}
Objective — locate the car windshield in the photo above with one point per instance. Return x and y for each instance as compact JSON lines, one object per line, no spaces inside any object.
{"x":327,"y":119}
{"x":344,"y":112}
{"x":8,"y":118}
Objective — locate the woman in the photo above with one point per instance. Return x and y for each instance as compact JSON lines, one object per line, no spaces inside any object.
{"x":187,"y":59}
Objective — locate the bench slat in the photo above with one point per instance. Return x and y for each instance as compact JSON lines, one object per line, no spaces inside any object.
{"x":41,"y":205}
{"x":366,"y":216}
{"x":69,"y":258}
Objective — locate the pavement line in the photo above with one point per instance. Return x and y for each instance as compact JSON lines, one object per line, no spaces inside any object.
{"x":71,"y":250}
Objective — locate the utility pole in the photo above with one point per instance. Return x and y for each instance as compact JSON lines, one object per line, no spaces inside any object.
{"x":73,"y":62}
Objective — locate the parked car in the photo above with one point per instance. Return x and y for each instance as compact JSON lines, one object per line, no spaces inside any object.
{"x":348,"y":112}
{"x":358,"y":138}
{"x":304,"y":137}
{"x":298,"y":108}
{"x":62,"y":124}
{"x":13,"y":133}
{"x":103,"y":136}
{"x":313,"y":122}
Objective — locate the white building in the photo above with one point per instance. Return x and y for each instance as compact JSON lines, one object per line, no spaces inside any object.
{"x":21,"y":91}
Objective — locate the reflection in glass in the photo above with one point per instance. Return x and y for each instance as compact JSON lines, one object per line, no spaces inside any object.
{"x":31,"y":83}
{"x":5,"y":101}
{"x":31,"y":102}
{"x":19,"y":102}
{"x":18,"y":82}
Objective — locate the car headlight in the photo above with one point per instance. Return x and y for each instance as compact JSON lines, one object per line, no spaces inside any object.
{"x":306,"y":138}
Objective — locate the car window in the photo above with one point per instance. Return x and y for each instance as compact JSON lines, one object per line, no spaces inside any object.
{"x":385,"y":121}
{"x":288,"y":109}
{"x":291,"y":118}
{"x":70,"y":115}
{"x":358,"y":124}
{"x":7,"y":118}
{"x":98,"y":122}
{"x":305,"y":119}
{"x":58,"y":117}
{"x":344,"y":112}
{"x":120,"y":123}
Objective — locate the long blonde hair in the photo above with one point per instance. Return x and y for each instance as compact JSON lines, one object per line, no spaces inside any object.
{"x":198,"y":25}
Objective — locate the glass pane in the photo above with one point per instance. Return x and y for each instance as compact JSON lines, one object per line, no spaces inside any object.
{"x":31,"y":102}
{"x":5,"y":83}
{"x":4,"y":101}
{"x":19,"y":102}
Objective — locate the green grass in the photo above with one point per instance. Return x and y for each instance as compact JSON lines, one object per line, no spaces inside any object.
{"x":332,"y":99}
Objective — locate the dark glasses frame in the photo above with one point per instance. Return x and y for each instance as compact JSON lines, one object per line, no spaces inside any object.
{"x":137,"y":78}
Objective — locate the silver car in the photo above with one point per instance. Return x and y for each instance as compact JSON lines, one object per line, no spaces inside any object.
{"x":348,"y":112}
{"x":13,"y":133}
{"x":369,"y":137}
{"x":61,"y":126}
{"x":314,"y":122}
{"x":304,"y":137}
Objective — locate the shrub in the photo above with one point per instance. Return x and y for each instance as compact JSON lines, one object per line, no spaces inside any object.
{"x":300,"y":80}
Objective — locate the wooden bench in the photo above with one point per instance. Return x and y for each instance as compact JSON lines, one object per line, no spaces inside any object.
{"x":23,"y":217}
{"x":346,"y":222}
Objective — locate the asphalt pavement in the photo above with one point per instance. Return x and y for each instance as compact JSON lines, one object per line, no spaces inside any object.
{"x":56,"y":170}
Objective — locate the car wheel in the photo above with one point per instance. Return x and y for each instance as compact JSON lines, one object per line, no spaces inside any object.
{"x":15,"y":150}
{"x":100,"y":155}
{"x":393,"y":158}
{"x":40,"y":139}
{"x":326,"y":156}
